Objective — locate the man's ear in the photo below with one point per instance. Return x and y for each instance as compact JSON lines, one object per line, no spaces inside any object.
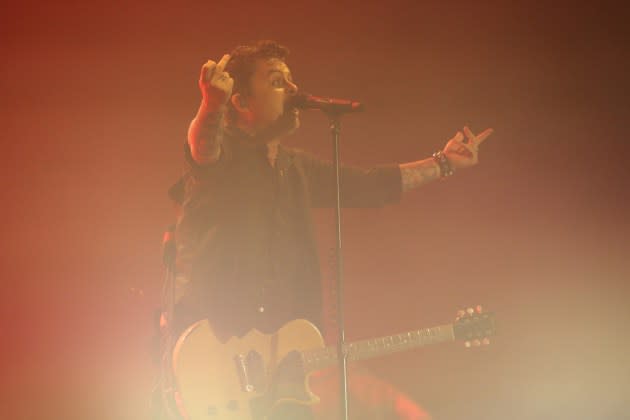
{"x":239,"y":102}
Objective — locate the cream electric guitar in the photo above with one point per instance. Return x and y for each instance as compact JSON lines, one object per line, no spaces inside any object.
{"x":247,"y":378}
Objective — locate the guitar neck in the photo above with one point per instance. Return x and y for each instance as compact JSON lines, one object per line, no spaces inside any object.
{"x":365,"y":349}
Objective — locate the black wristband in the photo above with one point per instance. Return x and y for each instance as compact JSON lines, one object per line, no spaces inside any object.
{"x":445,"y":166}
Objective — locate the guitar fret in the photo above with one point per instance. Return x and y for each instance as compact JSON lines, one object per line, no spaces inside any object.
{"x":320,"y":358}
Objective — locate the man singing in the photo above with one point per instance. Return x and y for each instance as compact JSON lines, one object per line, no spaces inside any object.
{"x":246,"y":253}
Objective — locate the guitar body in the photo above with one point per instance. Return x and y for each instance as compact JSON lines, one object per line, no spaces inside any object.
{"x":265,"y":376}
{"x":247,"y":378}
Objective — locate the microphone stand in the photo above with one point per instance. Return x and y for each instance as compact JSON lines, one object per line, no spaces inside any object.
{"x":168,"y":311}
{"x":335,"y":129}
{"x":334,"y":109}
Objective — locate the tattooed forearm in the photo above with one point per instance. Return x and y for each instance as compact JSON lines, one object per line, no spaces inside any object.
{"x":415,"y":174}
{"x":205,"y":136}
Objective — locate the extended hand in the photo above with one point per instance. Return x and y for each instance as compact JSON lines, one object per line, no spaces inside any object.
{"x":462,"y":152}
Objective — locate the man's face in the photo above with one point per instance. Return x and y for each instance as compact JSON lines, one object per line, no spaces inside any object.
{"x":271,"y":86}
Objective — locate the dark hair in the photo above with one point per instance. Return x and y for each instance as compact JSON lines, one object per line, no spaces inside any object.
{"x":242,"y":66}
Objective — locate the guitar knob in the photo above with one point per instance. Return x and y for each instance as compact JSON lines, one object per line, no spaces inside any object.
{"x":476,"y":343}
{"x":467,"y":344}
{"x":470,"y":311}
{"x":479,"y":309}
{"x":485,"y":341}
{"x":461,"y":313}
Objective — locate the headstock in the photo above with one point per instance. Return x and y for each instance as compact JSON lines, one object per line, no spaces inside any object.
{"x":474,"y":326}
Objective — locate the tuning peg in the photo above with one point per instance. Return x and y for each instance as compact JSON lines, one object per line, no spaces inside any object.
{"x":479,"y":309}
{"x":467,"y":344}
{"x":485,"y":341}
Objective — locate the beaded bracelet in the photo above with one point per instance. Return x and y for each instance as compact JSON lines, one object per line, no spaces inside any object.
{"x":445,"y":166}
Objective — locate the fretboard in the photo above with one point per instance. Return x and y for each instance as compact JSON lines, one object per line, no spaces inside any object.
{"x":365,"y":349}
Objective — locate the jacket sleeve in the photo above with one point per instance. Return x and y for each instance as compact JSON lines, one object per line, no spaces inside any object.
{"x":372,"y":187}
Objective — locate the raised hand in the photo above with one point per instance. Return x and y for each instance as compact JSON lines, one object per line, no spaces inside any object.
{"x":215,"y":83}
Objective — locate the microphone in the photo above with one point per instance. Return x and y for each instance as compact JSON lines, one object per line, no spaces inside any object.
{"x":328,"y":105}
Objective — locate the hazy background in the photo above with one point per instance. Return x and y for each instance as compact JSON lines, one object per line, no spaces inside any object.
{"x":96,"y":98}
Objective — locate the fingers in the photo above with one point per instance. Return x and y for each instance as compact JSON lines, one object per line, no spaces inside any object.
{"x":207,"y":70}
{"x":467,"y":150}
{"x":457,"y":145}
{"x":457,"y":142}
{"x":210,"y":68}
{"x":484,"y":135}
{"x":223,"y":62}
{"x":469,"y":135}
{"x":477,"y":140}
{"x":467,"y":142}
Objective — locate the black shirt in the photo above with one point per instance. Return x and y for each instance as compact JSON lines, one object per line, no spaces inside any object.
{"x":245,"y":237}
